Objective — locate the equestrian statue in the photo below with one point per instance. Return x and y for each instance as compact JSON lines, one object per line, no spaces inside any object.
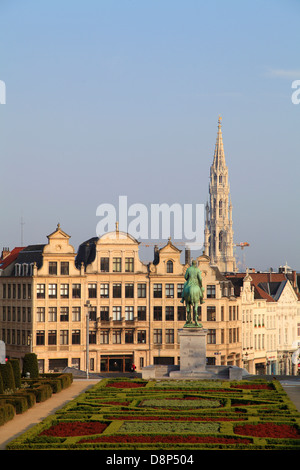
{"x":192,"y":295}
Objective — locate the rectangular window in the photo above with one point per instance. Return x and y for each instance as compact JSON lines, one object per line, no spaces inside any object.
{"x":93,"y":313}
{"x":104,"y":313}
{"x":129,"y":265}
{"x":179,"y":290}
{"x":129,"y":336}
{"x":141,"y":291}
{"x":52,"y":314}
{"x":181,"y":313}
{"x":117,"y":336}
{"x":92,"y":288}
{"x":52,"y":291}
{"x":170,"y":291}
{"x":157,"y":336}
{"x":222,"y":313}
{"x":157,"y":313}
{"x":64,"y":313}
{"x":40,"y":338}
{"x":40,"y":314}
{"x":117,"y":265}
{"x":52,"y":337}
{"x":104,"y":291}
{"x":211,"y":336}
{"x":76,"y":291}
{"x":157,"y":291}
{"x":76,"y":313}
{"x":40,"y":291}
{"x":141,"y":313}
{"x":129,"y":313}
{"x":64,"y":268}
{"x":64,"y":337}
{"x":222,"y":336}
{"x":211,"y":292}
{"x":129,"y":291}
{"x":52,"y":267}
{"x":64,"y":291}
{"x":169,"y":336}
{"x":104,"y":265}
{"x":211,"y":313}
{"x":117,"y":312}
{"x":104,"y":337}
{"x":141,"y":336}
{"x":76,"y":337}
{"x":169,"y":313}
{"x":92,"y":337}
{"x":117,"y":291}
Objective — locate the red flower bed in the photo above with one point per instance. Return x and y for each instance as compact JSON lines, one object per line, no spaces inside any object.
{"x":172,"y":418}
{"x":148,"y":439}
{"x":126,"y":384}
{"x":283,"y":431}
{"x":254,"y":386}
{"x":75,"y":428}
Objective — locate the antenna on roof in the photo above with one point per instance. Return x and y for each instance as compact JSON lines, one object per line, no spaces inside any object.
{"x":22,"y":223}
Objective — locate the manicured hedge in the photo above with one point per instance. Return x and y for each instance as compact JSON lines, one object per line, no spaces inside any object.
{"x":7,"y":412}
{"x":138,"y":414}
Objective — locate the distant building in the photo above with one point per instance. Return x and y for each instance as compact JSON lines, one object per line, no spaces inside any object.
{"x":270,"y":321}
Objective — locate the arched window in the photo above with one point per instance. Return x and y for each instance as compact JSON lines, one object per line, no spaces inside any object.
{"x":220,"y":208}
{"x":169,"y":266}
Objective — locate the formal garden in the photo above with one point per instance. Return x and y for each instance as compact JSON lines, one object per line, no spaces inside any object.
{"x":136,"y":414}
{"x":21,"y":390}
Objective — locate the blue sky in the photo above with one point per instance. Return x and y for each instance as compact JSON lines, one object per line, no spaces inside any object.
{"x":122,"y":97}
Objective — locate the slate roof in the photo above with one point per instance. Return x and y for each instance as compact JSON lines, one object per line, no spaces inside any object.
{"x":268,"y":286}
{"x":86,"y":252}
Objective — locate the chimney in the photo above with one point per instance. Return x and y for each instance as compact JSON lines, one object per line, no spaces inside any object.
{"x":187,"y":256}
{"x":156,"y":255}
{"x":5,"y":252}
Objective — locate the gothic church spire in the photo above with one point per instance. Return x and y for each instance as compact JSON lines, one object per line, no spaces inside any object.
{"x":218,"y":234}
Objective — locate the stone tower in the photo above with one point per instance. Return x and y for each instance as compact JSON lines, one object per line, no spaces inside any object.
{"x":218,"y":233}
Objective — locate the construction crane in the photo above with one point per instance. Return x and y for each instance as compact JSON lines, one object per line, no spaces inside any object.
{"x":243,"y":245}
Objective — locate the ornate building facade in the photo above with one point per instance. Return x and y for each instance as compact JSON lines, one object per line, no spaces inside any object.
{"x":134,"y":309}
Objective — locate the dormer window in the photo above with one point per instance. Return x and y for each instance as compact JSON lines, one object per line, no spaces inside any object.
{"x":17,"y":269}
{"x":169,"y":266}
{"x":24,"y":269}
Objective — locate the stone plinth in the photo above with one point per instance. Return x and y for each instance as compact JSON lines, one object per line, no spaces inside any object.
{"x":192,"y":354}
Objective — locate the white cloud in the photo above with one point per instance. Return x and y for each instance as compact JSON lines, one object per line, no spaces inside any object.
{"x":285,"y":73}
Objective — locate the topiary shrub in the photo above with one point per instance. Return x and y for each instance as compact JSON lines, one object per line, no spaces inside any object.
{"x":7,"y":374}
{"x":30,"y":365}
{"x":16,"y":371}
{"x":1,"y":384}
{"x":7,"y":412}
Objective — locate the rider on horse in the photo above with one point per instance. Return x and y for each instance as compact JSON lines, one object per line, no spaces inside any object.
{"x":192,"y":292}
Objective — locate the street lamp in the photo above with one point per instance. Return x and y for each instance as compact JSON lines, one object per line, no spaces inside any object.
{"x":87,"y":305}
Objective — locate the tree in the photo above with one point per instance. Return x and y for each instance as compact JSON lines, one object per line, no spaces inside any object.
{"x":16,"y":371}
{"x":7,"y":374}
{"x":30,"y":365}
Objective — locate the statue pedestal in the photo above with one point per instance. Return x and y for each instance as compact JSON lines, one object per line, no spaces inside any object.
{"x":192,"y":354}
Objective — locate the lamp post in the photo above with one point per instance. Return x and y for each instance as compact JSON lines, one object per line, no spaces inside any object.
{"x":87,"y":305}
